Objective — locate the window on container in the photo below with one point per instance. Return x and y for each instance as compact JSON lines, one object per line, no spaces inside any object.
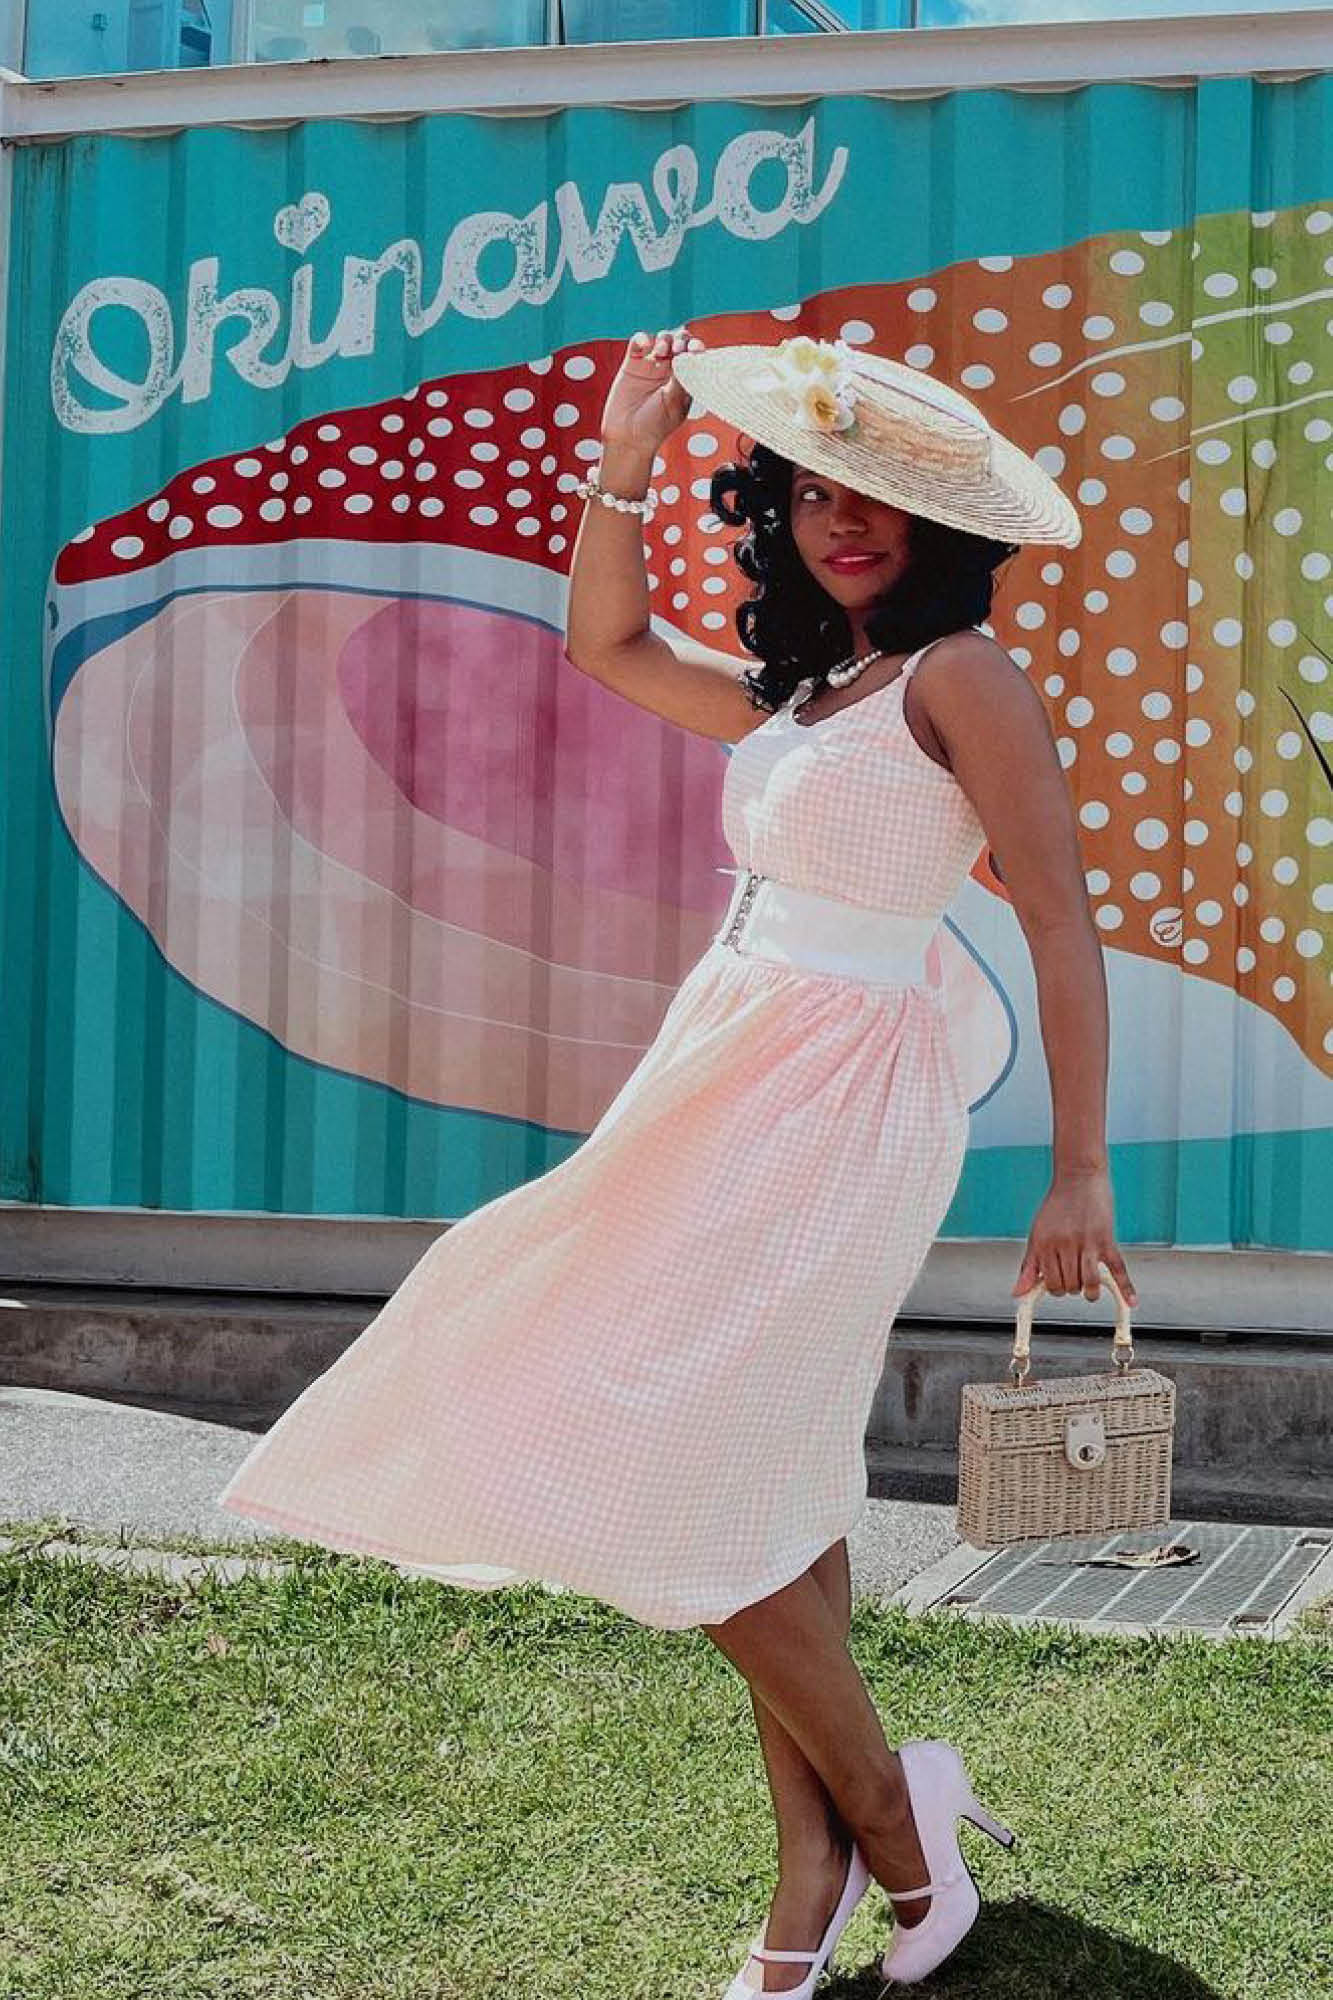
{"x":309,"y":30}
{"x":993,"y":13}
{"x":75,"y":38}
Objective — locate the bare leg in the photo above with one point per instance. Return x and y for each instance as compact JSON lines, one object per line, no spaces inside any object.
{"x":814,"y":1841}
{"x":791,"y":1649}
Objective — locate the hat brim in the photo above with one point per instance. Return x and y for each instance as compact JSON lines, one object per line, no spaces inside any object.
{"x":1014,"y":501}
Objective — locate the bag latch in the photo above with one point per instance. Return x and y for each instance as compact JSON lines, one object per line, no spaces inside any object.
{"x":1085,"y":1440}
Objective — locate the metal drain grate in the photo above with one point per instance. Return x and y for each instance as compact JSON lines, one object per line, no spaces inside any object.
{"x":1247,"y":1580}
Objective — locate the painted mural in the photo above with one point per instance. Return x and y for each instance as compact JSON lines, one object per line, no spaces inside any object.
{"x":309,"y":726}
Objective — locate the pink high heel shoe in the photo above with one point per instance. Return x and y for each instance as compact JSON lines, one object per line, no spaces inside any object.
{"x":940,"y":1793}
{"x":858,"y":1881}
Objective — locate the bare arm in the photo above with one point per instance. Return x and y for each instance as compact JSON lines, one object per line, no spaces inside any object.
{"x":997,"y":734}
{"x":608,"y":630}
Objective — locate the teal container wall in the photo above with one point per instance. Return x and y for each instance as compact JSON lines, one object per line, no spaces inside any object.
{"x":136,"y":1078}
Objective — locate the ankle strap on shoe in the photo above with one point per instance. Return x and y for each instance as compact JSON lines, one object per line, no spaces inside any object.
{"x":767,"y":1951}
{"x":930,"y":1889}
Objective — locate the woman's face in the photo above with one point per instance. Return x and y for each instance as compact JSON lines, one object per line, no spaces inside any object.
{"x":855,"y":548}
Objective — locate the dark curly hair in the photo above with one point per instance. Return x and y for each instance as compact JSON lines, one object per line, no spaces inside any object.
{"x":793,"y":625}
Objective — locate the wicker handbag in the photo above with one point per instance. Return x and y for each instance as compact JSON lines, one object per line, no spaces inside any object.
{"x":1074,"y":1455}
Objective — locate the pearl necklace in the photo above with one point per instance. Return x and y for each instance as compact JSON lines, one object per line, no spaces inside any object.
{"x":842,"y":675}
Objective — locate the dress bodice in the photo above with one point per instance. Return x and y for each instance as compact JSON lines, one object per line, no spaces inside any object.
{"x":851,"y":806}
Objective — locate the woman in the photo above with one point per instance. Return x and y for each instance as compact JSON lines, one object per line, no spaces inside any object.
{"x":646,"y":1374}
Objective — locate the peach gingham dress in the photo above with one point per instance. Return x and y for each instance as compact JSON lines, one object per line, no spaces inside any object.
{"x":646,"y":1374}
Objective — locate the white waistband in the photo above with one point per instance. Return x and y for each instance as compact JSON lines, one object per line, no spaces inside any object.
{"x":817,"y":933}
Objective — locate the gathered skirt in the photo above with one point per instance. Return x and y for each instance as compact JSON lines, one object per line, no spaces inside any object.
{"x":646,"y":1375}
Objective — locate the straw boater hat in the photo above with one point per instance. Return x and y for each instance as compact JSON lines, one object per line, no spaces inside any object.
{"x":887,"y":430}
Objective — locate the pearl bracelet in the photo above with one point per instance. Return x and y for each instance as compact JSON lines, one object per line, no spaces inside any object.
{"x":591,"y":488}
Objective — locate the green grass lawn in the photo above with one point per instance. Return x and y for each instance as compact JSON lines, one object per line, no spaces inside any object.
{"x":345,"y":1784}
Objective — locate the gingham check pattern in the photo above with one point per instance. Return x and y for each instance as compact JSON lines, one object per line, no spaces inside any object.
{"x":646,"y":1374}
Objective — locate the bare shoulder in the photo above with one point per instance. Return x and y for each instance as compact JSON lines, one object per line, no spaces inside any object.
{"x":967,"y":683}
{"x":970,"y":656}
{"x":948,"y":683}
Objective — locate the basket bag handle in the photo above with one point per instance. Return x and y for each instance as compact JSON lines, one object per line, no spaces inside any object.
{"x":1122,"y":1346}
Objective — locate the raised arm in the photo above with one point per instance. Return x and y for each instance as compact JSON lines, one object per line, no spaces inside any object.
{"x":608,"y":632}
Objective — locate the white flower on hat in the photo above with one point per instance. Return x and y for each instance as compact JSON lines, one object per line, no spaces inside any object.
{"x":816,"y":374}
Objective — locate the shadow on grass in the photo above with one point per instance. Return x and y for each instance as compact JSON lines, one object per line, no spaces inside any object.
{"x":1020,"y":1949}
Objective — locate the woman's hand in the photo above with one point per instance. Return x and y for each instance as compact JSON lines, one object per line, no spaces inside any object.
{"x":1072,"y":1229}
{"x":645,"y":403}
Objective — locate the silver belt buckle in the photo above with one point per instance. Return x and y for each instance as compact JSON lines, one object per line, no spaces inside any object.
{"x":734,"y":929}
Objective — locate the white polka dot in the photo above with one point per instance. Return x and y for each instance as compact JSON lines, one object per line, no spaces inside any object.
{"x":1109,"y":917}
{"x":1287,"y":521}
{"x":127,"y":547}
{"x":331,"y":476}
{"x":440,"y":427}
{"x":299,"y":454}
{"x":485,"y":517}
{"x":158,"y":511}
{"x":203,"y":484}
{"x":179,"y":527}
{"x":465,"y":476}
{"x":528,"y":524}
{"x":1273,"y":802}
{"x":330,"y":432}
{"x":856,"y":332}
{"x":480,"y":420}
{"x":248,"y":467}
{"x":714,"y":620}
{"x":563,"y":415}
{"x":556,"y":544}
{"x":358,"y":503}
{"x":272,"y":510}
{"x":224,"y":517}
{"x":1194,"y":951}
{"x":1094,"y":813}
{"x":579,"y":367}
{"x":1151,"y":833}
{"x":519,"y":399}
{"x":532,"y":438}
{"x":702,"y":445}
{"x":430,"y":505}
{"x":921,"y":299}
{"x":1144,"y":885}
{"x":485,"y":452}
{"x":302,"y":504}
{"x":401,"y":502}
{"x":989,"y":319}
{"x":424,"y":472}
{"x":1319,"y":831}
